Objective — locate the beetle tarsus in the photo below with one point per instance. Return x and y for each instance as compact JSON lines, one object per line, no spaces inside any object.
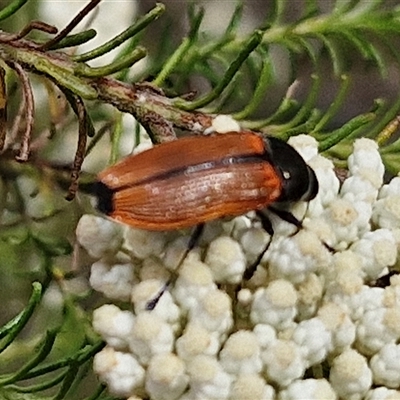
{"x":153,"y":302}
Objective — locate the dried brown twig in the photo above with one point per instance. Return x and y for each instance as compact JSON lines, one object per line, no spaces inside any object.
{"x":81,"y":149}
{"x":29,"y":106}
{"x":33,"y":25}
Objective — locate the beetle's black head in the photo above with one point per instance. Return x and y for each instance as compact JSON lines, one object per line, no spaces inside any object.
{"x":104,"y":196}
{"x":298,"y":179}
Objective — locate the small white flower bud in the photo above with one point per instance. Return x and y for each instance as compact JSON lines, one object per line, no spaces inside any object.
{"x":350,"y":375}
{"x":150,"y":336}
{"x":197,"y":340}
{"x":194,"y":282}
{"x":365,"y":157}
{"x":294,"y":258}
{"x":141,"y":244}
{"x":382,"y":393}
{"x":305,"y":145}
{"x":314,"y":339}
{"x":283,"y":362}
{"x":207,"y":378}
{"x":308,"y":389}
{"x":251,"y":386}
{"x":113,"y":325}
{"x":120,"y":371}
{"x":213,"y":312}
{"x":385,"y":366}
{"x":241,"y":354}
{"x":225,"y":123}
{"x":377,"y":250}
{"x":114,"y":281}
{"x":166,"y":309}
{"x":226,"y":260}
{"x":99,"y":236}
{"x":166,"y":378}
{"x":275,"y":305}
{"x":328,"y":184}
{"x":376,"y":328}
{"x":266,"y":335}
{"x":338,"y":322}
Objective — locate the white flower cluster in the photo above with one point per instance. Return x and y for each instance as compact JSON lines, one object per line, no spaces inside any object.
{"x":310,"y":323}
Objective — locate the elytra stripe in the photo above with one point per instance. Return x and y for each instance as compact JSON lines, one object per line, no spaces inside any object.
{"x":180,"y":154}
{"x":196,"y":168}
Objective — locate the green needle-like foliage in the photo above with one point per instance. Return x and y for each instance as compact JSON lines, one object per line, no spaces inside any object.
{"x":240,"y":74}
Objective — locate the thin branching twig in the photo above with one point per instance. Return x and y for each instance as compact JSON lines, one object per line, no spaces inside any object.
{"x":75,"y":21}
{"x":29,"y":106}
{"x":81,"y":113}
{"x":33,"y":25}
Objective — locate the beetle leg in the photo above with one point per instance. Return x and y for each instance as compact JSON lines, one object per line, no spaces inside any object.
{"x":287,"y":216}
{"x":384,"y":280}
{"x":193,"y":241}
{"x":267,"y":225}
{"x":153,"y":302}
{"x":291,"y":219}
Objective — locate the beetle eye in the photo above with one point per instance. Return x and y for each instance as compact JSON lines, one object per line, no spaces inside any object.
{"x":286,"y":174}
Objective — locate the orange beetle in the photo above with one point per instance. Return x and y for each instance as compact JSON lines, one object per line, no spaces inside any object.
{"x":196,"y":179}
